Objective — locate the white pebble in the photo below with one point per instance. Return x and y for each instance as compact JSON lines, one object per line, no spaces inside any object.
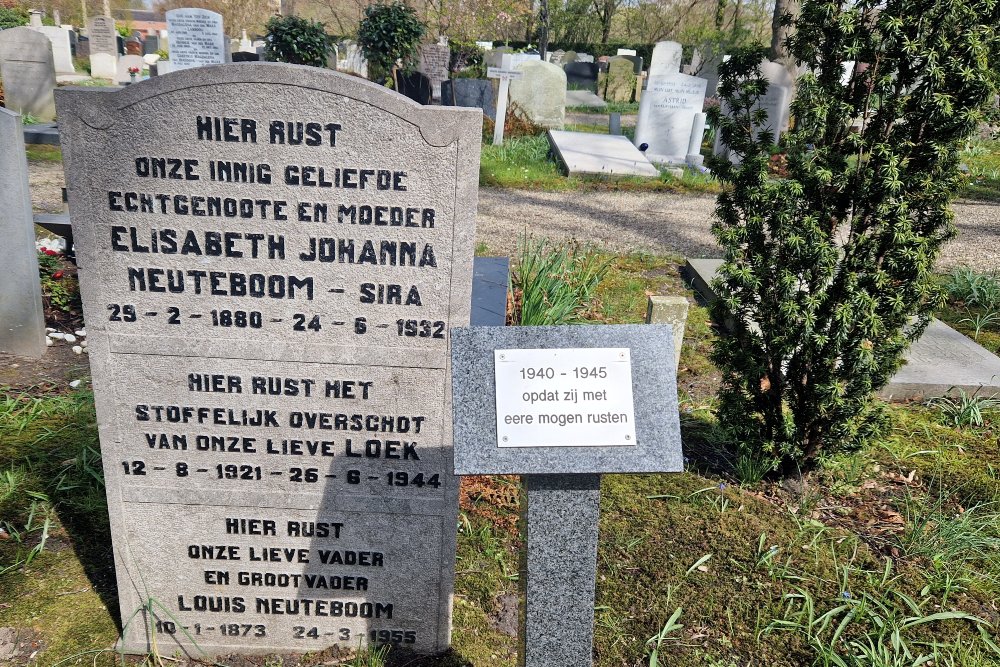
{"x":48,"y":342}
{"x":77,"y":349}
{"x":70,"y":338}
{"x":74,"y":384}
{"x":86,"y":351}
{"x":84,"y":343}
{"x":80,"y":332}
{"x":49,"y":329}
{"x":57,"y":335}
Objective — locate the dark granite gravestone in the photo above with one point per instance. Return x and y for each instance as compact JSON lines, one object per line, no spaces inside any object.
{"x":560,"y":406}
{"x":581,"y":76}
{"x":305,"y":324}
{"x":82,"y":47}
{"x":636,"y":64}
{"x":245,"y":57}
{"x":121,"y":44}
{"x":151,"y":45}
{"x":416,"y":86}
{"x":470,"y":93}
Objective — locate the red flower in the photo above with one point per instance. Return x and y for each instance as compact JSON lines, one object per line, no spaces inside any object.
{"x":57,"y":275}
{"x":50,"y":252}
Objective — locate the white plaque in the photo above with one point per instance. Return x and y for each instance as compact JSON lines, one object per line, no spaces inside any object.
{"x":575,"y":397}
{"x":500,"y":73}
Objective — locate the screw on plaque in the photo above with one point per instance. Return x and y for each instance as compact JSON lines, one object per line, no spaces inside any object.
{"x":621,"y":355}
{"x":505,"y":438}
{"x":502,"y":356}
{"x":628,"y":437}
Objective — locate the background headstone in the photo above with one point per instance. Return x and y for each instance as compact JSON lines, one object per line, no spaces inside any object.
{"x":470,"y":93}
{"x":62,"y":52}
{"x":83,"y":47}
{"x":150,"y":45}
{"x":666,"y":59}
{"x":434,"y":61}
{"x":620,"y":83}
{"x":626,"y":52}
{"x":776,"y":102}
{"x":245,"y":57}
{"x":22,"y":320}
{"x":636,"y":64}
{"x":581,"y":76}
{"x":196,"y":38}
{"x":368,"y":506}
{"x":124,"y":63}
{"x":416,"y":86}
{"x":541,"y":93}
{"x":27,"y":71}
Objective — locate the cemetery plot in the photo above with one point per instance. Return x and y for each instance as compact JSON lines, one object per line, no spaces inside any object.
{"x":269,"y":285}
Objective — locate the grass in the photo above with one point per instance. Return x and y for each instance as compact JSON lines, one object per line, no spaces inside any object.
{"x":43,"y":153}
{"x":973,"y":305}
{"x":875,"y":559}
{"x":612,"y":107}
{"x":526,"y":163}
{"x":983,"y":179}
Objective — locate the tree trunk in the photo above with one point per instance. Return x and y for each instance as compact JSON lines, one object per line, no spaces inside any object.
{"x":779,"y":32}
{"x":543,"y":27}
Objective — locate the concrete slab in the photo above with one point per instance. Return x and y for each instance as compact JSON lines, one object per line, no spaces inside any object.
{"x":588,"y":154}
{"x":942,"y":361}
{"x":584,"y":98}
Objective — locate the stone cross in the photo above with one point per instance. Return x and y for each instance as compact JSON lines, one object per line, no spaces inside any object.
{"x":272,"y":257}
{"x":616,"y":412}
{"x":22,"y":321}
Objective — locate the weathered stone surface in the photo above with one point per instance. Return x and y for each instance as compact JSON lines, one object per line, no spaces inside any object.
{"x":619,"y":86}
{"x":22,"y":321}
{"x":434,"y":62}
{"x":306,"y":392}
{"x":586,"y":153}
{"x":541,"y":93}
{"x":196,"y":38}
{"x":672,"y":310}
{"x":62,"y":52}
{"x":560,"y":516}
{"x":476,"y":93}
{"x":654,"y":389}
{"x":666,"y":59}
{"x":941,"y":362}
{"x":28,"y":73}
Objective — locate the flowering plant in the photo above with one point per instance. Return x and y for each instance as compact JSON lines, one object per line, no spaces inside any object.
{"x":133,"y":70}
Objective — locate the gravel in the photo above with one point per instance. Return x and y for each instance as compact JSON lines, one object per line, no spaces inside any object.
{"x":664,"y":223}
{"x":654,"y":222}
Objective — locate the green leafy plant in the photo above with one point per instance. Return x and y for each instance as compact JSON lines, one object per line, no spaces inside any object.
{"x":553,"y":284}
{"x":827,"y":275}
{"x":467,"y":60}
{"x":389,"y":34}
{"x":293,"y":39}
{"x":12,"y":17}
{"x":964,"y":409}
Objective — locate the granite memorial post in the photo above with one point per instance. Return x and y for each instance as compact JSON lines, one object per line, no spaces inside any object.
{"x":22,"y":321}
{"x":560,"y":406}
{"x":272,"y":257}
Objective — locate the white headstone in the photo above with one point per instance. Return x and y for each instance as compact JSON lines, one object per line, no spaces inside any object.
{"x":666,"y":59}
{"x":62,"y":53}
{"x":668,"y":109}
{"x":245,"y":43}
{"x":196,"y":38}
{"x":485,"y":46}
{"x":584,"y":58}
{"x":126,"y":62}
{"x":626,"y":52}
{"x":103,"y":47}
{"x":518,"y":58}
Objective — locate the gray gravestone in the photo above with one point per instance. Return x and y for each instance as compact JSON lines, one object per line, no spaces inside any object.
{"x":619,"y":86}
{"x":776,"y":103}
{"x":196,"y":38}
{"x":434,"y":61}
{"x":299,"y":313}
{"x":103,"y":48}
{"x":28,"y":75}
{"x":22,"y":321}
{"x":561,"y":406}
{"x":541,"y":93}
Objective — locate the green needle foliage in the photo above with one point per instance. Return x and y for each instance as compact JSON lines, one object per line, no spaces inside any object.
{"x":293,"y":39}
{"x":827,"y":274}
{"x":389,"y":33}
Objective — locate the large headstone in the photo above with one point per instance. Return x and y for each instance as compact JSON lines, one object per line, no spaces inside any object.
{"x":619,"y":86}
{"x":470,"y":93}
{"x":103,"y":47}
{"x":27,"y":71}
{"x":150,"y":45}
{"x":269,"y":337}
{"x":434,"y":61}
{"x":541,"y":93}
{"x":62,"y":51}
{"x":581,"y":76}
{"x":196,"y":38}
{"x":22,"y":321}
{"x":353,"y":60}
{"x":416,"y":86}
{"x":668,"y":111}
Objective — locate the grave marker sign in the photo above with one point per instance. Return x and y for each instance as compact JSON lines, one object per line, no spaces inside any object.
{"x":272,"y":257}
